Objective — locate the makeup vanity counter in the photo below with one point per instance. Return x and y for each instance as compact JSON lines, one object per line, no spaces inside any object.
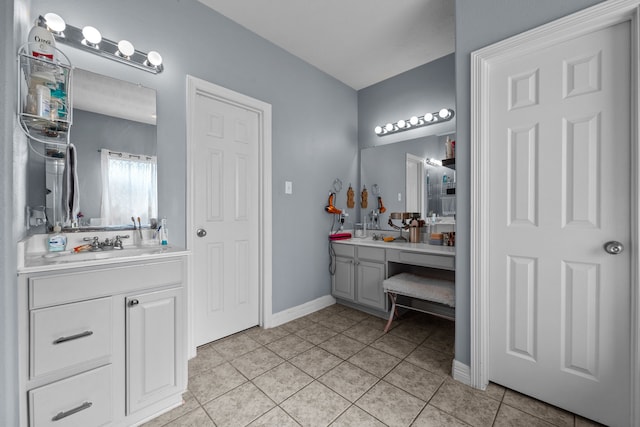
{"x":361,"y":265}
{"x":102,"y":341}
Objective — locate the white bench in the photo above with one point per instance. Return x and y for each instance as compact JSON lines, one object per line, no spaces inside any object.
{"x":423,"y":288}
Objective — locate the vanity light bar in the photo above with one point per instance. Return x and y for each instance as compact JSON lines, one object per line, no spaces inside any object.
{"x":89,"y":39}
{"x":444,"y":115}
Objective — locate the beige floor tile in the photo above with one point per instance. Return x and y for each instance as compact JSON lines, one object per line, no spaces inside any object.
{"x":378,"y":323}
{"x":391,"y":405}
{"x":353,"y":314}
{"x":275,"y":418}
{"x":394,"y":345}
{"x":431,"y":360}
{"x":316,"y":333}
{"x":349,"y":381}
{"x":539,"y":409}
{"x":411,"y":333}
{"x":315,"y":361}
{"x":364,"y":333}
{"x":465,"y":403}
{"x":196,"y":418}
{"x":215,"y":382}
{"x":441,"y":340}
{"x":298,"y":324}
{"x":239,"y":407}
{"x":356,"y":417}
{"x":321,"y":316}
{"x":583,"y":422}
{"x":315,"y":405}
{"x":282,"y":381}
{"x":289,"y":346}
{"x":206,"y":358}
{"x":256,"y":362}
{"x":265,"y":336}
{"x":335,"y":308}
{"x":374,"y":361}
{"x":342,"y":346}
{"x":339,"y":323}
{"x":434,"y":417}
{"x":414,"y":380}
{"x":190,"y":403}
{"x":235,"y":346}
{"x":512,"y":417}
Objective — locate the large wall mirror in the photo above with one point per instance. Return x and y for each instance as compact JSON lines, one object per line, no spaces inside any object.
{"x":406,"y":181}
{"x":114,"y":134}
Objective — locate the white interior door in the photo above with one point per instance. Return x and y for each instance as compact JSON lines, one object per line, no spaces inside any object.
{"x":559,"y":179}
{"x":225,"y":218}
{"x":414,"y":193}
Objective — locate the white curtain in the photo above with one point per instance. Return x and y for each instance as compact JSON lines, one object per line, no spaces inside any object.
{"x":129,"y":187}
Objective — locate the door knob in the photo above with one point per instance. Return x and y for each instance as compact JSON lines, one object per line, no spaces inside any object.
{"x":201,"y":232}
{"x":613,"y":247}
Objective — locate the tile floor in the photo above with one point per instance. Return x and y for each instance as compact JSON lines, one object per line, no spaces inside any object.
{"x":336,"y":368}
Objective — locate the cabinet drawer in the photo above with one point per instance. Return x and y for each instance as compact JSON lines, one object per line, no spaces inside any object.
{"x":77,"y":286}
{"x":70,"y":334}
{"x":82,"y":400}
{"x":426,"y":260}
{"x":344,"y":250}
{"x":371,"y":254}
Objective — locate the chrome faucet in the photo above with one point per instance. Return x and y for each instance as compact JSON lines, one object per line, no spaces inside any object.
{"x":95,"y":243}
{"x":117,"y":244}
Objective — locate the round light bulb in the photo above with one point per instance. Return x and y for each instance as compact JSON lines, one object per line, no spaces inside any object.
{"x":428,"y":117}
{"x":378,"y":130}
{"x":154,"y":58}
{"x":125,"y":47}
{"x":92,"y":35}
{"x":55,"y":22}
{"x":444,"y":113}
{"x":389,"y":127}
{"x":413,"y":120}
{"x":401,"y":124}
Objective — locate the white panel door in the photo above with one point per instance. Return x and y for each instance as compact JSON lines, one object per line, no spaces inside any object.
{"x":560,"y":171}
{"x":226,"y":288}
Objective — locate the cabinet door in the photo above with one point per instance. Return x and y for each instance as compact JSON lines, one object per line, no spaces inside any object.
{"x":369,"y":283}
{"x":156,"y":354}
{"x":342,"y":281}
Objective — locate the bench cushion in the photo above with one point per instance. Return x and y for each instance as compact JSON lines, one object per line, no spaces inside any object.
{"x":425,"y":288}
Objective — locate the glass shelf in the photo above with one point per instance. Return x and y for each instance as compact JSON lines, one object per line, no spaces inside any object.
{"x":44,"y":96}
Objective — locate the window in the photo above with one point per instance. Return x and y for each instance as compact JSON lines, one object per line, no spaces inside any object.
{"x":129,"y":187}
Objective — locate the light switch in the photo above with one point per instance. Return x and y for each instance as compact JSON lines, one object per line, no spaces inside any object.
{"x":288,"y":187}
{"x":399,"y":197}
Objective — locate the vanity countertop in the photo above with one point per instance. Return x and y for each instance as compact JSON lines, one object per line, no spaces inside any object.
{"x":401,"y":245}
{"x":33,"y":257}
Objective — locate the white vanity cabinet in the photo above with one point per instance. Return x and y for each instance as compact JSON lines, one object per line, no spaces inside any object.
{"x":362,"y":265}
{"x":102,"y":345}
{"x":359,"y":274}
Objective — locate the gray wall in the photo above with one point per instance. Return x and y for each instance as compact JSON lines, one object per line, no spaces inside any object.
{"x":478,"y":24}
{"x":424,"y":89}
{"x":314,"y":119}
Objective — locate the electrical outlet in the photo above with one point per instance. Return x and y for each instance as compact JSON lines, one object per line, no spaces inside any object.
{"x":288,"y":187}
{"x":399,"y":197}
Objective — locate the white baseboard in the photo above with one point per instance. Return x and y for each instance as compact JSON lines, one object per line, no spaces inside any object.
{"x":293,"y":313}
{"x":461,"y":372}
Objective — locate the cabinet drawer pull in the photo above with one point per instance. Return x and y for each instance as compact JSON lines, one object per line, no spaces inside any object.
{"x":65,"y":414}
{"x":73,"y":337}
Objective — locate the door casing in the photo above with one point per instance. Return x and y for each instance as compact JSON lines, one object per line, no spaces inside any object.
{"x":589,"y":20}
{"x":197,"y":86}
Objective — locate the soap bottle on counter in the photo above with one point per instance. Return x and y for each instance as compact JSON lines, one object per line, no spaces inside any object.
{"x":57,"y":241}
{"x":164,"y":233}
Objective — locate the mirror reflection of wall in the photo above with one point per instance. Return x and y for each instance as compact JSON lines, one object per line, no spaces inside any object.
{"x":385,"y":165}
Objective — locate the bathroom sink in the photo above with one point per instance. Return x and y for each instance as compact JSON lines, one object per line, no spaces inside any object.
{"x":68,"y":256}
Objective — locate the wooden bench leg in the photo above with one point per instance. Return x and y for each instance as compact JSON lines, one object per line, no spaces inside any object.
{"x":394,"y":311}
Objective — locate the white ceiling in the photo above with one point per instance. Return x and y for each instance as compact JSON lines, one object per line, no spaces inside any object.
{"x":359,"y":42}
